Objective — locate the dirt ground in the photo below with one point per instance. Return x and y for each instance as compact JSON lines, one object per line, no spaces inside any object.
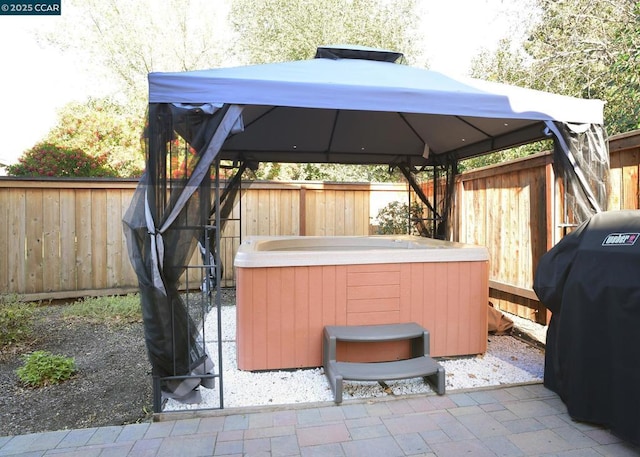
{"x":111,"y":387}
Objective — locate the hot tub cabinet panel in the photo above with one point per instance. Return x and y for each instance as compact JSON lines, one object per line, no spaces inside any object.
{"x":282,"y":310}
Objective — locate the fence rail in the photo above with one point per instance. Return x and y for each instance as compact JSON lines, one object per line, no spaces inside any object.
{"x":63,"y":238}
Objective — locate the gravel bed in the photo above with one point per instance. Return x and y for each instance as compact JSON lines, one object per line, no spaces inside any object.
{"x":507,"y":361}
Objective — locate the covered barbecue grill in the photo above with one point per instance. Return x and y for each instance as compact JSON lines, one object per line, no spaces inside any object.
{"x":591,"y":282}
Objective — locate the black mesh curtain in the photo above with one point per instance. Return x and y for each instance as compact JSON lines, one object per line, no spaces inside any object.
{"x":581,"y":159}
{"x":163,"y":224}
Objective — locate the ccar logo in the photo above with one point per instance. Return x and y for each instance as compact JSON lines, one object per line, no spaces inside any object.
{"x":620,"y":239}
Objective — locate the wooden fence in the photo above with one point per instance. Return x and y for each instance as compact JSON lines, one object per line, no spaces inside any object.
{"x":515,"y":209}
{"x":63,"y":238}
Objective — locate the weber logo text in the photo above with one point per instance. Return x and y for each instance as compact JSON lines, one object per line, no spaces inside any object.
{"x":620,"y":239}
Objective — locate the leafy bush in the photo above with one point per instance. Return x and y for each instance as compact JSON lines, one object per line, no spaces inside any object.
{"x":398,"y":219}
{"x":393,"y":219}
{"x":47,"y":159}
{"x":15,"y":320}
{"x":103,"y":128}
{"x":113,"y":309}
{"x":42,"y":368}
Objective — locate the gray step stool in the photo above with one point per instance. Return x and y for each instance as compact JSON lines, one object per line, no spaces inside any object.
{"x":420,"y":365}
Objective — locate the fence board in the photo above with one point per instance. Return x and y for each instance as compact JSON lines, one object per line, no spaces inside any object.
{"x":361,"y":216}
{"x":5,"y":241}
{"x":340,"y":212}
{"x":51,"y":240}
{"x":274,"y":212}
{"x":330,"y":208}
{"x":286,"y":212}
{"x":615,"y":182}
{"x":99,"y":239}
{"x":629,"y":164}
{"x":249,"y":221}
{"x":229,"y":242}
{"x":33,"y":249}
{"x":495,"y":227}
{"x":509,"y":220}
{"x":128,"y":277}
{"x":263,"y":212}
{"x":68,"y":265}
{"x":84,"y":239}
{"x":316,"y":224}
{"x":309,"y":208}
{"x":115,"y":247}
{"x":17,"y":235}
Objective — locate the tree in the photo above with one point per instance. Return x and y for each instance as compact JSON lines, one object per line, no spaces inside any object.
{"x":580,"y":48}
{"x":327,"y":172}
{"x":283,"y":30}
{"x":507,"y":63}
{"x":102,"y":128}
{"x":46,"y":159}
{"x":399,"y":218}
{"x":130,"y":39}
{"x":624,"y":97}
{"x":122,"y":42}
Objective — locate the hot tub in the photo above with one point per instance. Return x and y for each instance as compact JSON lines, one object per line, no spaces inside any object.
{"x":289,"y":288}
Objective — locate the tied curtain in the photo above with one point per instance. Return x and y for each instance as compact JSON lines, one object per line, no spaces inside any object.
{"x":163,"y":225}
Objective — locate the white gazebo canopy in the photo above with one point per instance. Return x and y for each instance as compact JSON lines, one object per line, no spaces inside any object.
{"x":355,"y":105}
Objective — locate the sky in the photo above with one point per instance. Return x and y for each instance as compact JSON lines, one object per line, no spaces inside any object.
{"x":37,"y":81}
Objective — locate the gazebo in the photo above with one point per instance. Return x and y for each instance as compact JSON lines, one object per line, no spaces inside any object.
{"x":350,"y":105}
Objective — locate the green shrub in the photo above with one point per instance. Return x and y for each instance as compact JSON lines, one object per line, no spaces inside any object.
{"x":15,"y":320}
{"x":393,"y":219}
{"x":398,"y":219}
{"x":47,"y":159}
{"x":109,"y":309}
{"x":102,"y":127}
{"x":42,"y":368}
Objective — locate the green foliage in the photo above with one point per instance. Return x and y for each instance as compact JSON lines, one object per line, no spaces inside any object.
{"x":283,"y":30}
{"x":580,"y":48}
{"x":505,"y":155}
{"x":123,"y":309}
{"x":571,"y":45}
{"x":577,"y":50}
{"x":327,"y":172}
{"x":103,"y":129}
{"x":123,"y":41}
{"x":397,"y":218}
{"x":393,"y":219}
{"x":46,"y":159}
{"x":506,"y":64}
{"x":623,"y":97}
{"x":15,"y":320}
{"x":42,"y":368}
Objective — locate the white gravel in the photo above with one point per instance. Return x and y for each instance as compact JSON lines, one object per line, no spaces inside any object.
{"x":507,"y":361}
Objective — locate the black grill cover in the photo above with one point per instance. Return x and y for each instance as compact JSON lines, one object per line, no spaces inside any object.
{"x":591,"y":282}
